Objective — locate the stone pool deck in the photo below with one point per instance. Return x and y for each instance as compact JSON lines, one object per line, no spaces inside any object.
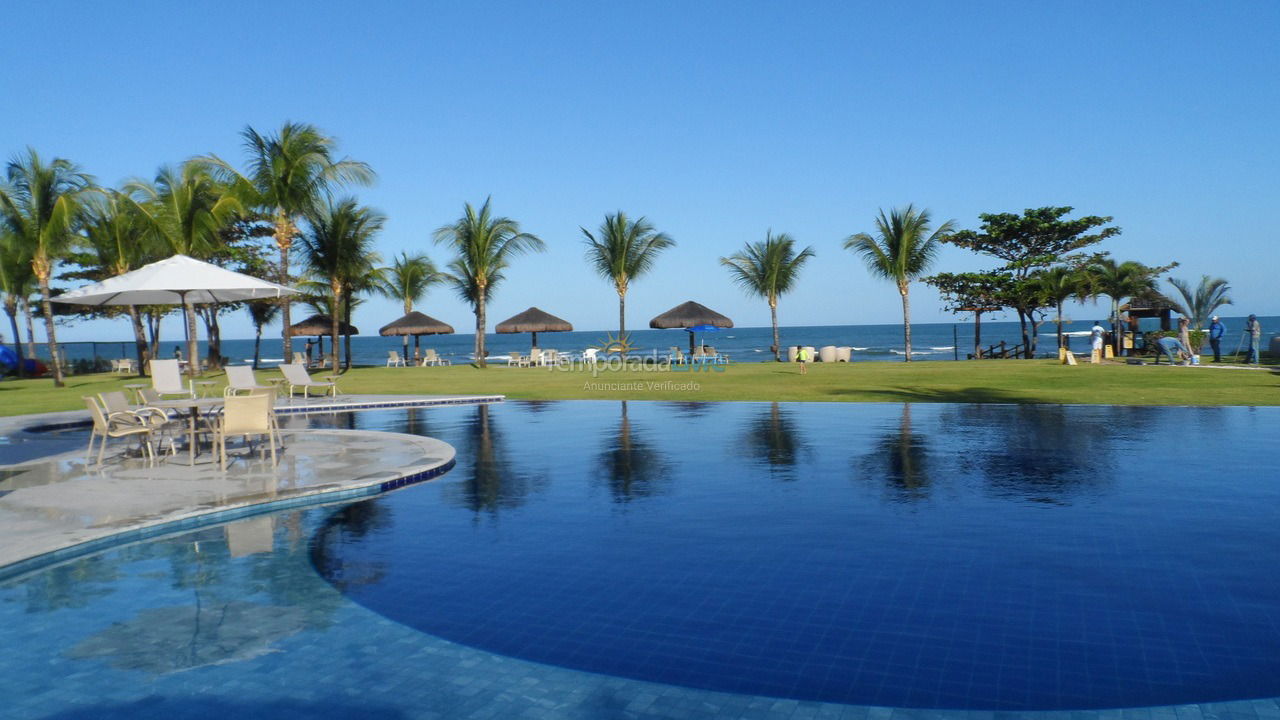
{"x":56,"y":507}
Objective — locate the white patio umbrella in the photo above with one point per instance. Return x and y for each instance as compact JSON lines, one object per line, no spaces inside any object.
{"x":179,"y":280}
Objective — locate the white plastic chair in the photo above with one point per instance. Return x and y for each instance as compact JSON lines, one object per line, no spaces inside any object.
{"x":240,"y":379}
{"x":118,"y":425}
{"x":296,"y":377}
{"x":430,"y":357}
{"x":246,"y":416}
{"x":394,"y":359}
{"x":166,"y":379}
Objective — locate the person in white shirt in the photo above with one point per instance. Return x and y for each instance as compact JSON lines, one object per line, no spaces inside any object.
{"x":1098,"y":333}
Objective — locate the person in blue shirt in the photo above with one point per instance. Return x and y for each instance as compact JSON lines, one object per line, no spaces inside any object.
{"x":1216,"y":331}
{"x":1172,"y":349}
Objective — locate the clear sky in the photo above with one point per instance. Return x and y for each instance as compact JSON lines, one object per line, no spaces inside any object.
{"x":717,"y":121}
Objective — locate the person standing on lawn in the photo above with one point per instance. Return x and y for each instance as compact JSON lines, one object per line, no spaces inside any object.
{"x":1216,"y":331}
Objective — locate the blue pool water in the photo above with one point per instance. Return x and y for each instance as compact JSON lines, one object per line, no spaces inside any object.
{"x":702,"y":560}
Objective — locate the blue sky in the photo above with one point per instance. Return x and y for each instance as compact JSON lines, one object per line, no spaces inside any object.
{"x":717,"y":121}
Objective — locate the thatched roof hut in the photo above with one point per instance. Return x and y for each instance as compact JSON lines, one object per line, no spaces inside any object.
{"x":318,"y":325}
{"x":688,"y":315}
{"x":415,"y":323}
{"x":533,"y":321}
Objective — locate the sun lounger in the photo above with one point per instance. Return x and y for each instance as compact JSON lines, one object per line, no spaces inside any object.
{"x":240,"y":380}
{"x":296,"y":378}
{"x":394,"y":359}
{"x":430,"y":357}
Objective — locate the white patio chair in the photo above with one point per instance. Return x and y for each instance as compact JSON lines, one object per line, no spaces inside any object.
{"x":166,"y":380}
{"x":118,"y":425}
{"x":535,"y":356}
{"x":299,"y":358}
{"x":295,"y":376}
{"x":589,"y":355}
{"x":394,"y":359}
{"x":246,"y":416}
{"x":517,"y":360}
{"x":240,"y":379}
{"x":430,"y":357}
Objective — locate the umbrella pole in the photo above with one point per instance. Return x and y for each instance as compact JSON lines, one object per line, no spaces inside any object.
{"x":691,"y":337}
{"x":193,"y":354}
{"x":415,"y":347}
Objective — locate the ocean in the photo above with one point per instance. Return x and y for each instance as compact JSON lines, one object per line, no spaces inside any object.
{"x":870,"y":343}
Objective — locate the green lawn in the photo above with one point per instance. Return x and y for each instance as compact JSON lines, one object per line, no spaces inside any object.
{"x":1014,"y":381}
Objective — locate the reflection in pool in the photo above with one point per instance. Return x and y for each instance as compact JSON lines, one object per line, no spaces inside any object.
{"x":947,"y":556}
{"x":942,"y":556}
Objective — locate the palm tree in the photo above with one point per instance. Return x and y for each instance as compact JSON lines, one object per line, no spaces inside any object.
{"x":1057,"y":285}
{"x":768,"y":269}
{"x":261,"y":313}
{"x":339,"y":248}
{"x":624,"y":251}
{"x":483,"y":247}
{"x":902,"y":250}
{"x":1118,"y":281}
{"x":40,"y":205}
{"x":292,"y":173}
{"x":120,"y":237}
{"x":16,"y":284}
{"x":187,"y":207}
{"x":408,"y":279}
{"x":1198,"y":305}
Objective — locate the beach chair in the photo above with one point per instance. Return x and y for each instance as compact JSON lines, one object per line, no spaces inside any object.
{"x":589,"y":356}
{"x":431,"y":358}
{"x":166,"y":380}
{"x":123,"y":366}
{"x":240,"y":380}
{"x":295,"y":376}
{"x":517,"y":360}
{"x":246,"y":416}
{"x":115,"y":427}
{"x":394,"y":359}
{"x":535,"y":357}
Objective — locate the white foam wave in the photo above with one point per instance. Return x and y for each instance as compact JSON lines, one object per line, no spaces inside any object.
{"x":913,"y":352}
{"x":948,"y":347}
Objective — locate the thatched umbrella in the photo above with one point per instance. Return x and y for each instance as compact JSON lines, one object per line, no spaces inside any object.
{"x":319,"y":326}
{"x":688,"y":316}
{"x":533,"y":321}
{"x":417,"y":325}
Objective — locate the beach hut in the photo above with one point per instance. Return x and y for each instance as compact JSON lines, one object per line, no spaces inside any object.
{"x":417,"y":325}
{"x":692,"y":317}
{"x":533,"y":321}
{"x":320,"y":326}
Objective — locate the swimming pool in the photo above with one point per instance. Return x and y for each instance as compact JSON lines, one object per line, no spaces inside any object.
{"x":704,"y":560}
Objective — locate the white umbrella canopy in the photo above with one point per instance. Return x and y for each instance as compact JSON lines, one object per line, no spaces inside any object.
{"x":179,"y":280}
{"x":175,"y":281}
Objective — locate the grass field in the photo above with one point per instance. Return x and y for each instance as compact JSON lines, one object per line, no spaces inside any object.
{"x":1003,"y":381}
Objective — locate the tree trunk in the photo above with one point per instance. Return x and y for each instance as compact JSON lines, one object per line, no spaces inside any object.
{"x":333,"y":327}
{"x":1115,"y":324}
{"x":139,"y":340}
{"x":257,"y":344}
{"x":153,"y":331}
{"x":622,"y":321}
{"x":43,"y":268}
{"x":213,"y":333}
{"x":1022,"y":324}
{"x":480,"y":330}
{"x":11,"y":309}
{"x":773,"y":316}
{"x":346,"y":317}
{"x":977,"y":335}
{"x":1060,"y":343}
{"x":287,"y":334}
{"x":906,"y":318}
{"x":31,"y":329}
{"x":193,"y":342}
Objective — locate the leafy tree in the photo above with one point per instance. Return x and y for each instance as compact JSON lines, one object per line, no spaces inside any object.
{"x":408,"y":279}
{"x":292,"y":173}
{"x":1058,"y":284}
{"x":1198,"y":305}
{"x":339,"y":248}
{"x":768,"y":269}
{"x":188,"y":208}
{"x":17,"y":282}
{"x":1035,"y":240}
{"x":901,"y":251}
{"x":41,"y":208}
{"x":975,"y":292}
{"x":624,"y":250}
{"x":261,"y":313}
{"x":483,"y":247}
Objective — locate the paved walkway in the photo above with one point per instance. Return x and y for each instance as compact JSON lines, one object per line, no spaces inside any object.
{"x":60,"y":506}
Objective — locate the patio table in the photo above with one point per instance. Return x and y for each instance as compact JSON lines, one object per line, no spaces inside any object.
{"x":193,"y":407}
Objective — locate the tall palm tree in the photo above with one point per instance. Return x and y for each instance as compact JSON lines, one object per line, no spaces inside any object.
{"x":1057,"y":285}
{"x":187,"y":207}
{"x":1118,"y":281}
{"x":408,"y":279}
{"x":120,"y":237}
{"x":768,"y":269}
{"x":261,"y":313}
{"x":483,"y":247}
{"x":339,"y":248}
{"x":40,"y":205}
{"x":624,"y":250}
{"x":1199,"y":304}
{"x":291,"y":173}
{"x":17,"y":283}
{"x":901,"y":250}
